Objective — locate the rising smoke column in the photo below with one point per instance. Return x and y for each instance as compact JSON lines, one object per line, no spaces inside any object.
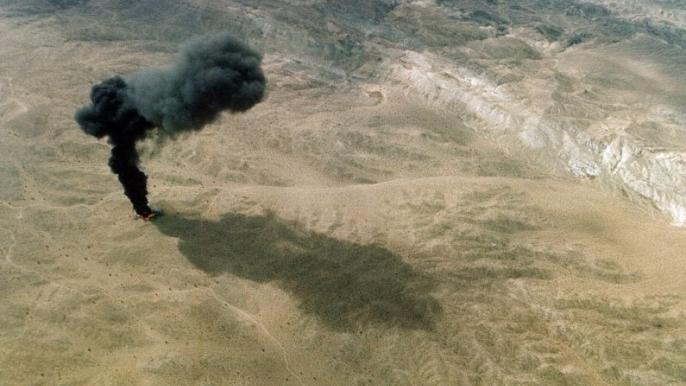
{"x":212,"y":74}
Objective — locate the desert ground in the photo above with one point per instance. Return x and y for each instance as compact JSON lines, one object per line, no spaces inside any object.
{"x":433,"y":193}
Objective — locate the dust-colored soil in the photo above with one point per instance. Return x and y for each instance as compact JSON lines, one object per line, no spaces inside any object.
{"x":346,"y":231}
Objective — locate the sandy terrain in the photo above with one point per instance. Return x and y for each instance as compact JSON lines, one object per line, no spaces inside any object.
{"x":365,"y":225}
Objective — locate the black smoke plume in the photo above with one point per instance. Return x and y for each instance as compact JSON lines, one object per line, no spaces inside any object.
{"x":212,"y":74}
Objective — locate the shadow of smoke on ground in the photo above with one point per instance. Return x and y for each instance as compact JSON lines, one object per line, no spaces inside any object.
{"x":344,"y":284}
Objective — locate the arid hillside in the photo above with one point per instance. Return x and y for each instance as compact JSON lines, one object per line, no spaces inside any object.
{"x":433,"y":192}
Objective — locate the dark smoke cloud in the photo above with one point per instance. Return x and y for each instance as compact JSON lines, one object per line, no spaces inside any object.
{"x":212,"y":74}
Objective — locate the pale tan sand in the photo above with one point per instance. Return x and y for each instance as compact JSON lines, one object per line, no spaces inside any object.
{"x":349,"y":238}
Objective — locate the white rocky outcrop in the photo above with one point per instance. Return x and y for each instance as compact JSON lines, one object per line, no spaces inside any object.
{"x":658,"y":175}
